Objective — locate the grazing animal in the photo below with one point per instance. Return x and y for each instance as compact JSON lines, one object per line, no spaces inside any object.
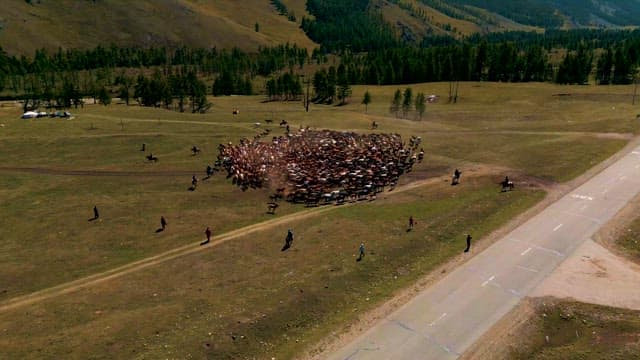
{"x":271,"y":207}
{"x":195,"y":150}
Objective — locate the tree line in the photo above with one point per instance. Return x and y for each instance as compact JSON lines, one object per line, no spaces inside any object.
{"x":503,"y":62}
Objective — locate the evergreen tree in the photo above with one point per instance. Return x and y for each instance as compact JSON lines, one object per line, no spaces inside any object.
{"x":621,"y":67}
{"x":103,"y":96}
{"x":344,"y":89}
{"x":366,"y":100}
{"x":125,"y":83}
{"x":604,"y":67}
{"x":331,"y":84}
{"x":395,"y":103}
{"x":407,"y":102}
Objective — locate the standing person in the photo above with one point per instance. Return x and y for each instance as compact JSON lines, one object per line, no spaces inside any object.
{"x":361,"y":256}
{"x":96,"y":214}
{"x":456,"y":177}
{"x":208,"y":234}
{"x":411,"y":222}
{"x":289,"y":239}
{"x":163,"y":222}
{"x":468,"y":243}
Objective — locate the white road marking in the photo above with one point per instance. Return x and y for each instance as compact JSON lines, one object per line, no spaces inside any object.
{"x":438,"y":319}
{"x":636,"y":152}
{"x":525,"y":252}
{"x":581,"y":197}
{"x":527,"y":268}
{"x":486,"y":282}
{"x":557,"y":227}
{"x":515,"y":293}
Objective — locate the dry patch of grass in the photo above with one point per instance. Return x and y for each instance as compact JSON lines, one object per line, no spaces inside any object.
{"x":73,"y":24}
{"x":573,"y":330}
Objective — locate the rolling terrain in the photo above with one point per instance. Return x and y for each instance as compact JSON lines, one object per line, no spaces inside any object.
{"x":29,"y":25}
{"x":85,"y":24}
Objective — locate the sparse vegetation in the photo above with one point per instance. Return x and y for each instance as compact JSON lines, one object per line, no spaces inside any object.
{"x":572,"y":330}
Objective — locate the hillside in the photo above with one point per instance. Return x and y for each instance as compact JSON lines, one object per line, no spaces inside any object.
{"x":27,"y":25}
{"x":464,"y":17}
{"x":84,"y":24}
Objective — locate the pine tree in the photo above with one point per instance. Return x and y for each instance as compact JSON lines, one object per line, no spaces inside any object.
{"x":103,"y":96}
{"x":407,"y":102}
{"x":604,"y":67}
{"x":344,"y":89}
{"x":395,"y":103}
{"x":366,"y":100}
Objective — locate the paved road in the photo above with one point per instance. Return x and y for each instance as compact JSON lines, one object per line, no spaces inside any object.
{"x":444,"y":320}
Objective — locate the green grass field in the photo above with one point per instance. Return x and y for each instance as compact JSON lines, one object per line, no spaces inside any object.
{"x":50,"y":179}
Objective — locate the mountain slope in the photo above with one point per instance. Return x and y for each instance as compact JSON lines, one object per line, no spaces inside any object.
{"x":85,"y":24}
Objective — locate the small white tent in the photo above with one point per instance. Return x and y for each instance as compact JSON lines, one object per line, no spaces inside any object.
{"x":30,"y":115}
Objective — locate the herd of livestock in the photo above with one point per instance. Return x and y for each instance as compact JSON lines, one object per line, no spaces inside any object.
{"x":320,"y":166}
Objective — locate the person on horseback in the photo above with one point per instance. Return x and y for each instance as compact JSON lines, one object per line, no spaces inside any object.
{"x":507,"y":184}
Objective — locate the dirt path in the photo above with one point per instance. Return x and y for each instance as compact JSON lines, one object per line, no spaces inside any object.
{"x":120,"y":271}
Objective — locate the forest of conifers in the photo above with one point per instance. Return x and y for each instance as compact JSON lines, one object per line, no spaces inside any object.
{"x":180,"y":78}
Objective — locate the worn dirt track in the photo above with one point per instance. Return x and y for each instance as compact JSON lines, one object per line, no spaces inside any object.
{"x":120,"y":271}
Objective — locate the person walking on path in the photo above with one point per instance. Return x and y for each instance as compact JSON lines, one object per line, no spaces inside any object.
{"x":96,"y":214}
{"x":208,"y":234}
{"x":468,"y":243}
{"x":163,"y":222}
{"x":411,"y":223}
{"x":361,"y":256}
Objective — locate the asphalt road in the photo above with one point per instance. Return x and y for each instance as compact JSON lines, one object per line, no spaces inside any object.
{"x":447,"y":318}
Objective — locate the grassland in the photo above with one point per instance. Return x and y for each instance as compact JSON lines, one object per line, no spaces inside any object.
{"x":247,"y":288}
{"x":84,"y":24}
{"x":628,"y":240}
{"x":578,"y":331}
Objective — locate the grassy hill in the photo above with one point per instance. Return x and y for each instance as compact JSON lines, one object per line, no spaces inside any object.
{"x":29,"y":25}
{"x":464,"y":17}
{"x":51,"y":24}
